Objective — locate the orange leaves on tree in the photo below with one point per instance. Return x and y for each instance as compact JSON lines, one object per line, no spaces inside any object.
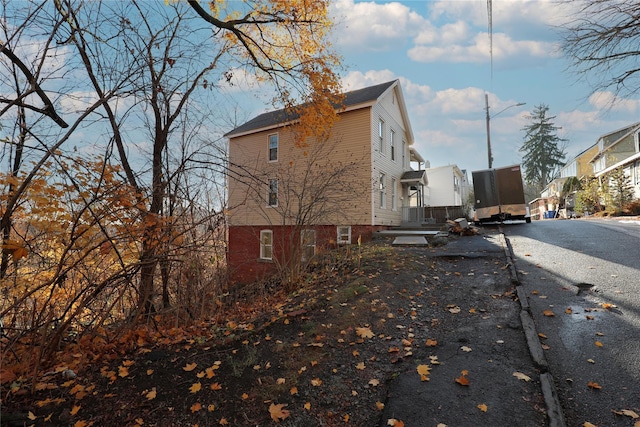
{"x":15,"y":248}
{"x":278,"y":412}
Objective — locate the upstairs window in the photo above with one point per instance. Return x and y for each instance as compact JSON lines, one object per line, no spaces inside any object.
{"x":272,"y":197}
{"x":273,"y":148}
{"x":381,"y":136}
{"x":266,"y":244}
{"x":404,"y":150}
{"x":392,"y":143}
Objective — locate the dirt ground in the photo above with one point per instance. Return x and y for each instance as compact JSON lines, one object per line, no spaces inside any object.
{"x":399,"y":337}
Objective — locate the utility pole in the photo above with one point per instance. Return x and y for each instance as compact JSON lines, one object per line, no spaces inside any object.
{"x":488,"y":119}
{"x":486,"y":107}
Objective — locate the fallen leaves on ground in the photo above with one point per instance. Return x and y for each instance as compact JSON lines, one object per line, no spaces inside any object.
{"x":626,"y":412}
{"x":462,"y":379}
{"x":278,"y":412}
{"x":364,"y":332}
{"x":423,"y":371}
{"x":521,"y":376}
{"x":190,"y":367}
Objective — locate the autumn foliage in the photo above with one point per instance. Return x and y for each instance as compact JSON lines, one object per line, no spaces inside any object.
{"x":112,"y":201}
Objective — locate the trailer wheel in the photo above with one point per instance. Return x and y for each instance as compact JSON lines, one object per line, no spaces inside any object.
{"x":528,"y":220}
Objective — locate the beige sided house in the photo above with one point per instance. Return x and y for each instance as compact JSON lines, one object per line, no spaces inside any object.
{"x":288,"y":203}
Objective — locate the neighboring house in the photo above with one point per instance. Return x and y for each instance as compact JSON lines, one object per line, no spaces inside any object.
{"x":283,"y":197}
{"x":552,"y":203}
{"x":620,"y":148}
{"x":448,"y":193}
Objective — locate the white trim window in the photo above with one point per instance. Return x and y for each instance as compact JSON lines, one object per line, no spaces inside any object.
{"x":344,"y":235}
{"x":266,"y":245}
{"x":394,"y":195}
{"x":383,"y":190}
{"x":272,"y":193}
{"x":404,"y":151}
{"x":381,"y":136}
{"x":392,"y":143}
{"x":273,"y":147}
{"x":308,"y":244}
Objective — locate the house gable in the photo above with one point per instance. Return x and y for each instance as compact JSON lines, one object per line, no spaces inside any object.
{"x":358,"y":185}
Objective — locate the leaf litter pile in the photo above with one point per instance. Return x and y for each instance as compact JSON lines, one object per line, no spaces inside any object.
{"x":337,"y":352}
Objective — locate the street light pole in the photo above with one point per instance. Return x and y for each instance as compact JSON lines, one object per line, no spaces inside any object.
{"x":489,"y":155}
{"x":488,"y":119}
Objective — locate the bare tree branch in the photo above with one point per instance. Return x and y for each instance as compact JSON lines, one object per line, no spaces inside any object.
{"x":48,"y":110}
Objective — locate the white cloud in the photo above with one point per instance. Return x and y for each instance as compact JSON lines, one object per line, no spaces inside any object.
{"x":369,"y":26}
{"x":78,"y":101}
{"x":606,"y":100}
{"x":238,"y":80}
{"x":358,"y":80}
{"x":453,"y":32}
{"x":455,"y":47}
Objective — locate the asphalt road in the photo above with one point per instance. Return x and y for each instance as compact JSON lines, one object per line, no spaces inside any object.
{"x":582,"y":281}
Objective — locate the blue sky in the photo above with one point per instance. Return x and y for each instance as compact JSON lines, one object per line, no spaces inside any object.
{"x":440,"y":52}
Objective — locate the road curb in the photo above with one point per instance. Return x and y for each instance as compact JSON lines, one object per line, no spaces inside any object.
{"x":552,"y":402}
{"x":554,"y":410}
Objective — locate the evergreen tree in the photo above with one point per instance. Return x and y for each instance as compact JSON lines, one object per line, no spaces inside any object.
{"x":543,"y":149}
{"x":589,"y":197}
{"x":620,"y":189}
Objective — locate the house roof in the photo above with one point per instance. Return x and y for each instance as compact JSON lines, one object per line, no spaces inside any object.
{"x":620,"y":134}
{"x":353,"y":99}
{"x":419,"y":176}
